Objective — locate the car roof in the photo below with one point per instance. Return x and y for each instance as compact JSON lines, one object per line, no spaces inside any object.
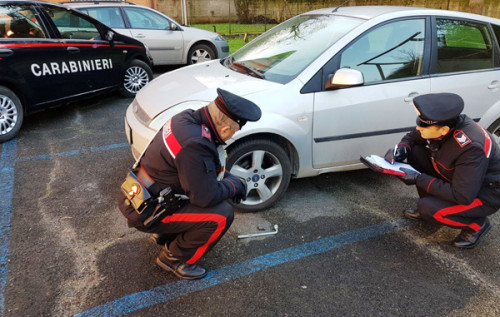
{"x":371,"y":12}
{"x":82,"y":4}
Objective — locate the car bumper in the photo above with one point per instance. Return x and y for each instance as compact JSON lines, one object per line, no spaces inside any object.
{"x":222,"y":49}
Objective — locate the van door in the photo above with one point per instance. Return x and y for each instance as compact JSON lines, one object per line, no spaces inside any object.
{"x":27,"y":52}
{"x":91,"y":62}
{"x":369,"y":119}
{"x":166,"y":45}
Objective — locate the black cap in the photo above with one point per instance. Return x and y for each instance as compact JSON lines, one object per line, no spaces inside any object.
{"x":437,"y":108}
{"x":237,"y":108}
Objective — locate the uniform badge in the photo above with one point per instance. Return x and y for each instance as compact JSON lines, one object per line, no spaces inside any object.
{"x":205,"y":132}
{"x":461,"y":138}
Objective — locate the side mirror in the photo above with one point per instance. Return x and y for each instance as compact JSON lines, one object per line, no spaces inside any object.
{"x":110,"y":35}
{"x":173,"y":26}
{"x":343,"y":78}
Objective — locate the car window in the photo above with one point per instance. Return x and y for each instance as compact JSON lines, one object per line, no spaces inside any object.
{"x":391,"y":51}
{"x":73,"y":26}
{"x":496,"y":30}
{"x":107,"y":15}
{"x":463,"y":46}
{"x":19,"y":21}
{"x":146,"y":19}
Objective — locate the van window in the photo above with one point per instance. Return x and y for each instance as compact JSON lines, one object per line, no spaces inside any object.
{"x":463,"y":46}
{"x":145,"y":19}
{"x":19,"y":22}
{"x":107,"y":15}
{"x":391,"y":51}
{"x":72,"y":26}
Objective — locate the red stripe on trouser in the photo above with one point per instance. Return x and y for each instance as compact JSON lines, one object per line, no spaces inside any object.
{"x":441,"y":214}
{"x":221,"y":223}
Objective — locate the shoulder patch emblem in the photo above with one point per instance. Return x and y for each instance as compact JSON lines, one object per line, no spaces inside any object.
{"x":461,"y":138}
{"x":205,"y":133}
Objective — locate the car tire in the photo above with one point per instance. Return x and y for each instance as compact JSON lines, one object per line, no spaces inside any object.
{"x":11,"y":114}
{"x":266,"y":168}
{"x":200,"y":53}
{"x":136,"y":76}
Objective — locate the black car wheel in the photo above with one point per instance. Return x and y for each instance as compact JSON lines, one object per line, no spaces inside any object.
{"x":137,"y":75}
{"x":200,"y":53}
{"x":11,"y":114}
{"x":266,"y":168}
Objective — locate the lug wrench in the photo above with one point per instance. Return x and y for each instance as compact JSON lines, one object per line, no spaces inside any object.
{"x":251,"y":235}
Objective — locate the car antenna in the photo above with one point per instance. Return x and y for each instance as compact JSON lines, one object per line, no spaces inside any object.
{"x":341,"y":5}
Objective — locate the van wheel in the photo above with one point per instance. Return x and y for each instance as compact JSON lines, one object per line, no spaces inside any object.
{"x":266,"y":168}
{"x":137,"y":75}
{"x":200,"y":53}
{"x":11,"y":114}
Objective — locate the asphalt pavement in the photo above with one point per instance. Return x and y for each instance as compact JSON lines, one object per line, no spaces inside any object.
{"x":342,"y":248}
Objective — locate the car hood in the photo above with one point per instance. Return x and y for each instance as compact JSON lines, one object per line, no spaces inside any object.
{"x":199,"y":33}
{"x":196,"y":83}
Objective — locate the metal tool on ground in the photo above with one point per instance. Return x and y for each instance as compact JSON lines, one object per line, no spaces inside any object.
{"x":260,"y":234}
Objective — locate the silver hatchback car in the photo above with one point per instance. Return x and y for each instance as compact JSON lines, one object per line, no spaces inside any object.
{"x":333,"y":85}
{"x":169,"y":42}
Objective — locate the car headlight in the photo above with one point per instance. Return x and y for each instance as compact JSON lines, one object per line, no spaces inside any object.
{"x":161,"y":118}
{"x":219,"y":38}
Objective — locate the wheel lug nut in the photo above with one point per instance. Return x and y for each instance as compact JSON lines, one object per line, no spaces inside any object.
{"x":255,"y":171}
{"x":255,"y":185}
{"x":262,"y":176}
{"x":248,"y":179}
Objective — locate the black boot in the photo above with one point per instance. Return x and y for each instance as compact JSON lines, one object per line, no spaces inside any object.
{"x":412,"y":214}
{"x":468,"y":239}
{"x":181,"y":269}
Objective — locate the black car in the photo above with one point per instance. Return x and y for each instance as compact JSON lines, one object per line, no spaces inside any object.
{"x":50,"y":54}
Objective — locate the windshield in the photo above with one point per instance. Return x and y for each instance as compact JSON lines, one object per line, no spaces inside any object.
{"x":280,"y":54}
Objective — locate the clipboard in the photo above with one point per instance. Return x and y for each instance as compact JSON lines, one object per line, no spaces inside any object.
{"x":380,"y":165}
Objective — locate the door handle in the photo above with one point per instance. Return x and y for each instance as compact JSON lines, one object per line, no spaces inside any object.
{"x":6,"y":52}
{"x":140,"y":36}
{"x":494,"y":85}
{"x":411,"y":95}
{"x":73,"y":50}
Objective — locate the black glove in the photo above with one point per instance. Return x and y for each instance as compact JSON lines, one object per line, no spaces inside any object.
{"x":398,"y":154}
{"x":241,"y":193}
{"x":410,"y":178}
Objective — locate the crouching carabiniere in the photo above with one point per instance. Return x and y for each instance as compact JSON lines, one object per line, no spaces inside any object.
{"x":459,"y":161}
{"x":187,"y":156}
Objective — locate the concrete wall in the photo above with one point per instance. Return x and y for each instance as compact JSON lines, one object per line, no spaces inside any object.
{"x":220,"y":11}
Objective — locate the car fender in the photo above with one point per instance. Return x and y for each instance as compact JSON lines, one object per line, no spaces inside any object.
{"x":276,"y":124}
{"x":490,"y":116}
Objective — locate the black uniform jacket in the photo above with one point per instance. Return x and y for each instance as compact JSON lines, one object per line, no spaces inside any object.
{"x":184,"y":156}
{"x":467,"y":161}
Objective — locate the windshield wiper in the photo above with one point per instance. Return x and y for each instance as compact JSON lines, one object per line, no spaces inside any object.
{"x":242,"y":68}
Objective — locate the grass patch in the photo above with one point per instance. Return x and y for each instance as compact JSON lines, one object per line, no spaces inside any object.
{"x":236,"y":43}
{"x":235,"y":28}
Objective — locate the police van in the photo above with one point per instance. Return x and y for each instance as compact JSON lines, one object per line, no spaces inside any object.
{"x":51,"y":54}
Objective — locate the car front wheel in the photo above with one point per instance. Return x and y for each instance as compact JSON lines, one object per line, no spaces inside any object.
{"x":137,"y":75}
{"x":11,"y":114}
{"x":266,"y":169}
{"x":200,"y":53}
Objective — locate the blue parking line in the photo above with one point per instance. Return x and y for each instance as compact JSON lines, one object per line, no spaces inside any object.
{"x":7,"y":163}
{"x":164,"y":293}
